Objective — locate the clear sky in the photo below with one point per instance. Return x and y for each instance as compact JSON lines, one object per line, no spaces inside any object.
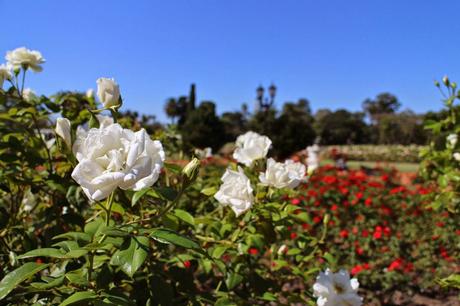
{"x":336,"y":53}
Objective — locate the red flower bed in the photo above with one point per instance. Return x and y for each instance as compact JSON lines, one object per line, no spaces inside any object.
{"x":379,"y":229}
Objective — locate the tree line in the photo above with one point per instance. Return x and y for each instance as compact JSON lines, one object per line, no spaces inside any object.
{"x":295,"y":126}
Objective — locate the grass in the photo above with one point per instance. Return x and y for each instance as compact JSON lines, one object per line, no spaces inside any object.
{"x":401,"y":167}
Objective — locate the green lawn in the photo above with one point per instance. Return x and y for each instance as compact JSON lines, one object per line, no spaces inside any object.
{"x":401,"y":167}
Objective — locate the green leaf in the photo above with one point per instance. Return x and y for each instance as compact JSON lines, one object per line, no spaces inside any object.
{"x":77,"y":236}
{"x":95,"y":227}
{"x":14,"y":278}
{"x":173,"y":168}
{"x":76,"y":253}
{"x":209,"y":191}
{"x":218,"y":251}
{"x":131,"y":258}
{"x":114,"y":232}
{"x":268,"y":296}
{"x":330,"y":260}
{"x":184,"y":216}
{"x":138,"y":195}
{"x":167,"y":193}
{"x":79,"y":298}
{"x":78,"y":277}
{"x":224,"y":301}
{"x":44,"y":252}
{"x":116,"y":300}
{"x":233,"y":280}
{"x":168,"y":236}
{"x":54,"y":283}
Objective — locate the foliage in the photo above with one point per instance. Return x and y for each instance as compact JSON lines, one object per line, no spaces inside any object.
{"x":404,"y":128}
{"x":290,"y":132}
{"x":384,"y":103}
{"x":341,"y":127}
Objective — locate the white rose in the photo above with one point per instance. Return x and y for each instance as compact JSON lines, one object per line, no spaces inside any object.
{"x":333,"y":289}
{"x":5,"y":74}
{"x":236,"y":191}
{"x":25,"y":58}
{"x":104,"y":120}
{"x":89,"y":93}
{"x":282,"y":175}
{"x":28,"y":94}
{"x":456,"y":156}
{"x":108,"y":92}
{"x":111,"y":157}
{"x":64,"y":131}
{"x":250,"y":147}
{"x":452,"y":139}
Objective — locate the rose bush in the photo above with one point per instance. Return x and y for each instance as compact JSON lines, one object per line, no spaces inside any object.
{"x":92,"y":212}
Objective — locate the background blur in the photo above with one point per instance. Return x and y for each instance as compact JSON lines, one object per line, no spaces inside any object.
{"x":335,"y":53}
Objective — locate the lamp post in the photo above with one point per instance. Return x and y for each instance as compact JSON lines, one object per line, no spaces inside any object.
{"x":265,"y":103}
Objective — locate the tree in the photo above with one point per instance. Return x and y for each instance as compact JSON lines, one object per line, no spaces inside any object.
{"x":404,"y":128}
{"x":171,"y":109}
{"x":384,"y":103}
{"x":291,"y":131}
{"x":341,"y":127}
{"x":234,"y":124}
{"x":203,"y":128}
{"x":294,"y":129}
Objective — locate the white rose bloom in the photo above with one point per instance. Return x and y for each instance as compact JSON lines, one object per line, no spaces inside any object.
{"x":111,"y":157}
{"x":282,"y":175}
{"x":28,"y":94}
{"x":5,"y":74}
{"x":452,"y":139}
{"x":336,"y":289}
{"x":250,"y":147}
{"x":108,"y":92}
{"x":456,"y":156}
{"x":22,"y":57}
{"x":89,"y":93}
{"x":104,"y":120}
{"x":236,"y":191}
{"x":63,"y":130}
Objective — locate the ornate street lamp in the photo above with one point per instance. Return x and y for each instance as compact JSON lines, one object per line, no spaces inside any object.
{"x":265,"y":103}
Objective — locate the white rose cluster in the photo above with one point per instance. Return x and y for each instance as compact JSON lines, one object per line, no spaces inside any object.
{"x":111,"y":156}
{"x":250,"y":147}
{"x":282,"y":175}
{"x":336,"y":289}
{"x":236,"y":190}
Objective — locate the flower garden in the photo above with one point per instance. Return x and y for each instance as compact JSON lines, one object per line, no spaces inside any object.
{"x":94,"y":210}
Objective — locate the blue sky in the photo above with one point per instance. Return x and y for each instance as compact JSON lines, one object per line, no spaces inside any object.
{"x":336,"y":53}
